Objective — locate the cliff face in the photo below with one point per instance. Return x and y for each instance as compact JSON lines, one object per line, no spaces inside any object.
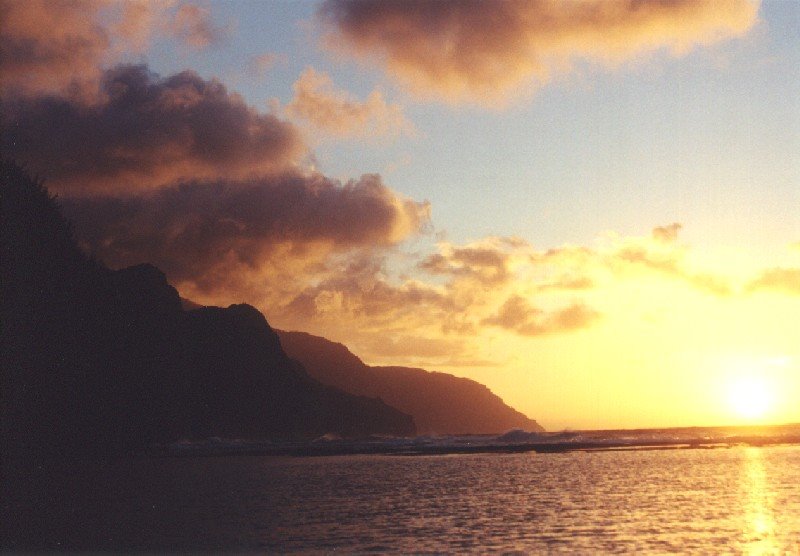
{"x":108,"y":361}
{"x":439,"y":402}
{"x":244,"y":385}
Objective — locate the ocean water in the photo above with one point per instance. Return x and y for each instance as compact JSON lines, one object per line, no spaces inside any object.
{"x":735,"y":499}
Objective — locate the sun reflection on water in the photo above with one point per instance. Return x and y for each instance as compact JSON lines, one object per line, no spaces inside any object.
{"x":758,"y":535}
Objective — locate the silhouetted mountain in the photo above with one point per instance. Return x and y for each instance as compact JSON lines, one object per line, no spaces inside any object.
{"x":109,"y":361}
{"x":439,"y":402}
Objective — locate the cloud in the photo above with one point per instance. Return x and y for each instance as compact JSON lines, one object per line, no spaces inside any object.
{"x":137,"y":22}
{"x":482,"y":264}
{"x":213,"y":235}
{"x":193,"y":25}
{"x":567,"y":282}
{"x":146,"y":132}
{"x":468,"y":50}
{"x":362,"y":303}
{"x":360,"y":290}
{"x":261,"y":63}
{"x":667,"y":233}
{"x":64,"y":46}
{"x":488,"y":262}
{"x":786,"y":280}
{"x":334,"y":111}
{"x":663,"y":255}
{"x":518,"y":315}
{"x":48,"y":44}
{"x":481,"y":276}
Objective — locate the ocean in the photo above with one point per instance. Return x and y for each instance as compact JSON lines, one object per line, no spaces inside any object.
{"x":715,"y":498}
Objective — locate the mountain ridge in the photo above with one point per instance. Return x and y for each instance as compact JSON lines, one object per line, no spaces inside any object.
{"x":440,"y":403}
{"x":105,"y":361}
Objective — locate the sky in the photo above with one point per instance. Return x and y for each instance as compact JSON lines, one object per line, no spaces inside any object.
{"x":590,"y":207}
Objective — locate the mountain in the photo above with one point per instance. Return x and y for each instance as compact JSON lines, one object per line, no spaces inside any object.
{"x":440,"y":403}
{"x":108,"y":361}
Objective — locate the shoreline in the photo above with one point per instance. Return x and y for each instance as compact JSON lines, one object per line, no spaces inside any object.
{"x":412,"y":448}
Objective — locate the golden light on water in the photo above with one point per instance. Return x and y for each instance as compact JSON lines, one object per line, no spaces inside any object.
{"x":758,"y":534}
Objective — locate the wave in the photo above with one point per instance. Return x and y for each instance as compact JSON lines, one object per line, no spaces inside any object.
{"x":513,"y":441}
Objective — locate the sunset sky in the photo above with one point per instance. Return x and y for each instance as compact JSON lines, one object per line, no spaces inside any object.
{"x":591,"y":207}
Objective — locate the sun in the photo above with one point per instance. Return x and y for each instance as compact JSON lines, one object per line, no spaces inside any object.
{"x":750,"y":397}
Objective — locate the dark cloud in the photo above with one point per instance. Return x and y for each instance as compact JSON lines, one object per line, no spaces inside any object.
{"x":518,"y":315}
{"x":786,"y":280}
{"x":207,"y":232}
{"x":146,"y":132}
{"x":470,"y":50}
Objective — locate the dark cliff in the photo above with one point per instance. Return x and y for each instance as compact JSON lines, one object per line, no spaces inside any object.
{"x":439,"y":402}
{"x":108,"y":361}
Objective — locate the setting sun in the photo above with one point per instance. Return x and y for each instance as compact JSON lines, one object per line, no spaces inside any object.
{"x":750,"y":397}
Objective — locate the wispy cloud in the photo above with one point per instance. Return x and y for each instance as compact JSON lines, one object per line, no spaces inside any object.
{"x":262,"y":63}
{"x":662,"y":254}
{"x":194,"y":26}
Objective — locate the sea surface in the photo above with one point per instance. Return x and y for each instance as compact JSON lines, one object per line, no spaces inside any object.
{"x":729,"y":498}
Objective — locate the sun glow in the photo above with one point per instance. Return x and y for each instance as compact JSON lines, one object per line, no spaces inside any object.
{"x":751,"y":397}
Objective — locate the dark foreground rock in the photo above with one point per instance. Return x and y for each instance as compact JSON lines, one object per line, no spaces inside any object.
{"x":102,"y":361}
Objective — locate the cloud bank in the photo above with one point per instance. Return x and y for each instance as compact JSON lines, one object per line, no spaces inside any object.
{"x":146,"y":132}
{"x":470,"y":50}
{"x":206,"y":233}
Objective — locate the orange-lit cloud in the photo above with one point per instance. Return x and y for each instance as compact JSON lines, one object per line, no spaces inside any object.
{"x":334,"y":111}
{"x":786,"y":280}
{"x":146,"y":132}
{"x":47,"y":44}
{"x":493,"y":283}
{"x":470,"y":50}
{"x":518,"y":315}
{"x":485,"y":264}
